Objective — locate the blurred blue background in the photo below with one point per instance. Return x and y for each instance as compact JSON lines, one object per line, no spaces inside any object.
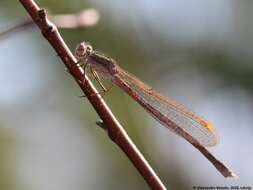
{"x":197,"y":52}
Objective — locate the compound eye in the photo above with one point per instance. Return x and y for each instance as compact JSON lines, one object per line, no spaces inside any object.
{"x":80,"y":50}
{"x":88,"y":49}
{"x":83,"y":50}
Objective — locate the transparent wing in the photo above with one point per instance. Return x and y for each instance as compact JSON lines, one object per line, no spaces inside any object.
{"x":170,"y":113}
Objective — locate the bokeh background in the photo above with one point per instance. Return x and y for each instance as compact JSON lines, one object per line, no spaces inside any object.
{"x":197,"y":52}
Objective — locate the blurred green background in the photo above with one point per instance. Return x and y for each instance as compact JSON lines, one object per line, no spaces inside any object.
{"x":197,"y":52}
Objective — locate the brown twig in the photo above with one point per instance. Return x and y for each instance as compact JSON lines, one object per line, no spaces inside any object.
{"x":115,"y":130}
{"x":21,"y":26}
{"x":85,"y":18}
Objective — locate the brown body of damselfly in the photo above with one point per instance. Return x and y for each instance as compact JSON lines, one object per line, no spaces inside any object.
{"x":174,"y":116}
{"x":169,"y":113}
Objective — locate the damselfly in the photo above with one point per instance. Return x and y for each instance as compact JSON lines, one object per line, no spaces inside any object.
{"x":170,"y":114}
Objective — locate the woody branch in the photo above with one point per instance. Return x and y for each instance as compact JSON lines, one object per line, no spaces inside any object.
{"x":109,"y":122}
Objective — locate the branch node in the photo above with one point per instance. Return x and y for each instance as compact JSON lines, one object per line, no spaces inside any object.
{"x":110,"y":132}
{"x":101,"y":124}
{"x":46,"y":26}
